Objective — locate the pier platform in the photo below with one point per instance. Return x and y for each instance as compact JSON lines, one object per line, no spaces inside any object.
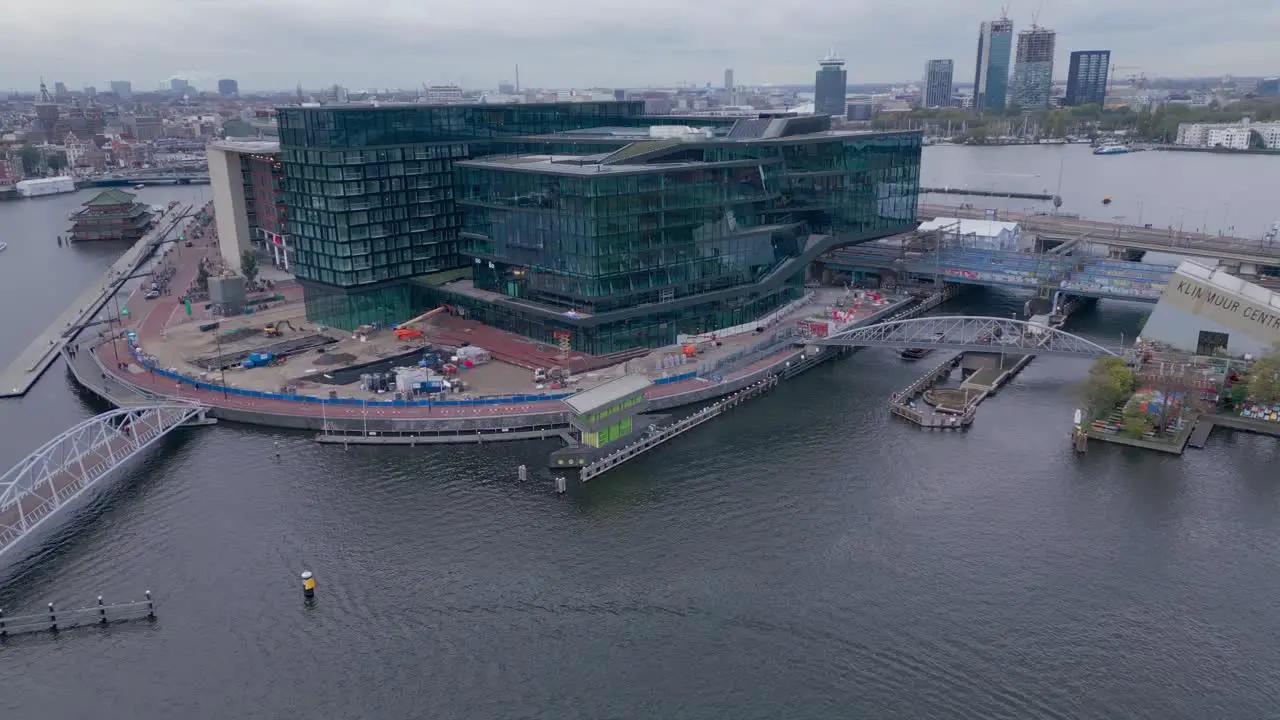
{"x":32,"y":362}
{"x":949,"y":408}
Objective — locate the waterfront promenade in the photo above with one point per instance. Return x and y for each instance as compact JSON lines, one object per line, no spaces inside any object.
{"x":118,"y":374}
{"x":31,"y":363}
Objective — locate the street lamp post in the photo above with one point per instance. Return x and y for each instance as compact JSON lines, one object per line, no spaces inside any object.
{"x":222,"y":363}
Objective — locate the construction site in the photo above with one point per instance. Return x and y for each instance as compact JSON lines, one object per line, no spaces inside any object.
{"x":440,"y":354}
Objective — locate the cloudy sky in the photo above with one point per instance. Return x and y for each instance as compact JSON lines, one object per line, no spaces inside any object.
{"x":269,"y":44}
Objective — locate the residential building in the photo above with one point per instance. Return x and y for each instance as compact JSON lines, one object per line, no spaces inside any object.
{"x":123,"y":89}
{"x":1268,"y":86}
{"x":443,"y":94}
{"x":1234,"y":136}
{"x":1032,"y":86}
{"x":247,"y":181}
{"x":656,"y":237}
{"x":991,"y":79}
{"x":179,"y":86}
{"x":1087,"y":78}
{"x":829,"y":86}
{"x":1205,"y":309}
{"x":937,"y":84}
{"x":229,"y":89}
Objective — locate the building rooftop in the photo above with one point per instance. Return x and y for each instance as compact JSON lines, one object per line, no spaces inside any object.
{"x":113,"y":196}
{"x":1227,"y":282}
{"x":343,"y":107}
{"x":608,"y":393}
{"x":246,"y":146}
{"x":575,"y":165}
{"x":980,"y":228}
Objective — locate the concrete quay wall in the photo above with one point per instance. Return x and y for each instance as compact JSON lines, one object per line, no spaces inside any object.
{"x":88,"y":371}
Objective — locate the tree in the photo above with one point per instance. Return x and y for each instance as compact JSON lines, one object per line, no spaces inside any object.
{"x":1110,"y":383}
{"x":249,"y":265}
{"x":1136,"y":424}
{"x":1264,"y":379}
{"x":202,"y":278}
{"x":56,"y":162}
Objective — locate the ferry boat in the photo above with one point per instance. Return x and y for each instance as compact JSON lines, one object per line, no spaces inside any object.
{"x":1111,"y":150}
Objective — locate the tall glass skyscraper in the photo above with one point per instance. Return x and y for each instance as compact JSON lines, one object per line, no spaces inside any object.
{"x":829,"y":87}
{"x":1033,"y":68}
{"x":1087,"y":78}
{"x":991,"y":79}
{"x":937,"y":83}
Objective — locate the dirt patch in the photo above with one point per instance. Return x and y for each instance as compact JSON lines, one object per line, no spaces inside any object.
{"x":339,"y":358}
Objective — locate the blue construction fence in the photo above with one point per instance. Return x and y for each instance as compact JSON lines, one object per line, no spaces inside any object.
{"x":499,"y":400}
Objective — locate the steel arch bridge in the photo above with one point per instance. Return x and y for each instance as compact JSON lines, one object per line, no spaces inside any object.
{"x":978,"y":334}
{"x":60,"y":471}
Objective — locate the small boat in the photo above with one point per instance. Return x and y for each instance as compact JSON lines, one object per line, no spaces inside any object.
{"x":140,"y":186}
{"x":3,"y":246}
{"x":919,"y":353}
{"x":1111,"y":150}
{"x":1106,"y":200}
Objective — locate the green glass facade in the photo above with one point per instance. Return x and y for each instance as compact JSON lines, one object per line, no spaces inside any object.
{"x":661,"y":238}
{"x":370,"y":191}
{"x":623,"y":239}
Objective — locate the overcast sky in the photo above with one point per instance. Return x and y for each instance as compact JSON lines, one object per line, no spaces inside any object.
{"x":267,"y":44}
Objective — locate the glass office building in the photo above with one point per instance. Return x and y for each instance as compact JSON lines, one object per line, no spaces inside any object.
{"x":370,"y":192}
{"x":630,"y":247}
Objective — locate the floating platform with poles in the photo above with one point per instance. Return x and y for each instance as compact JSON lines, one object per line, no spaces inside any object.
{"x":54,"y":620}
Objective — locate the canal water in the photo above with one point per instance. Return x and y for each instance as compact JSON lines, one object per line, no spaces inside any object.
{"x":808,"y":557}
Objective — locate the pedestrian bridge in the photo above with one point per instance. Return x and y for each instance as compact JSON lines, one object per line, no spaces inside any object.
{"x":981,"y":334}
{"x":56,"y":475}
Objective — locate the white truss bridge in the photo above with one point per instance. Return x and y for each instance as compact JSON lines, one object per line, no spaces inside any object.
{"x":975,"y":334}
{"x":55,"y":476}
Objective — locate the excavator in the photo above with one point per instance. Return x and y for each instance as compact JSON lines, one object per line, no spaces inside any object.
{"x":407,"y":330}
{"x":273,"y":329}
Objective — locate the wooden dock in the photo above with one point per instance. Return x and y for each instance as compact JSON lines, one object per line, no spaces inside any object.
{"x":902,"y":403}
{"x":54,"y":620}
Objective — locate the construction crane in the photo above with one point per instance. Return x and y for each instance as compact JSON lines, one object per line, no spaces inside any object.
{"x":406,"y":329}
{"x":1138,"y":80}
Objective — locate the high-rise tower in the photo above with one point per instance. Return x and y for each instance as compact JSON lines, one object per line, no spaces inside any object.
{"x":991,"y":79}
{"x":1033,"y":68}
{"x":829,"y":86}
{"x":937,"y":84}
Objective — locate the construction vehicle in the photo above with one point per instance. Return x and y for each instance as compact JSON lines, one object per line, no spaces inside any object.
{"x":273,"y":329}
{"x":406,"y":329}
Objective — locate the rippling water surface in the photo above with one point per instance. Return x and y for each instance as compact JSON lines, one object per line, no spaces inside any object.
{"x":808,"y":557}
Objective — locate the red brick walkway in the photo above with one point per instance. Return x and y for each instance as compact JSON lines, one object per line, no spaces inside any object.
{"x":151,"y":317}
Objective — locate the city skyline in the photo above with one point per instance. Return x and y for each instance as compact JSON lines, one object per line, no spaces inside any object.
{"x":567,"y":44}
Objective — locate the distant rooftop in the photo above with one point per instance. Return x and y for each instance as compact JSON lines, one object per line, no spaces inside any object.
{"x":366,"y":105}
{"x":246,"y":146}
